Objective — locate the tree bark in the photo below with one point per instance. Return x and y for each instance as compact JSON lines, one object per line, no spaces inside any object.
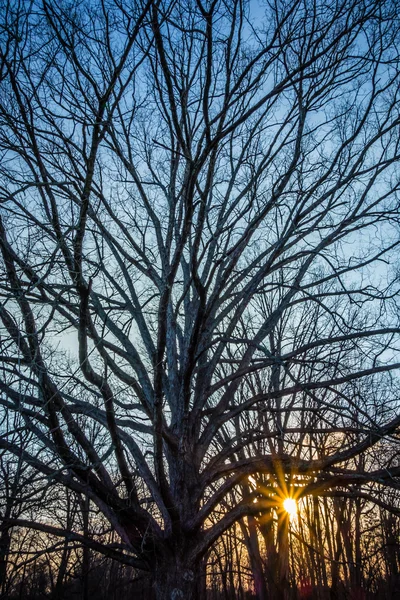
{"x":174,"y":579}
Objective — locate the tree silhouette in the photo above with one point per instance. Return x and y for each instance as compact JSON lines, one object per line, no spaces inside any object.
{"x":199,"y":219}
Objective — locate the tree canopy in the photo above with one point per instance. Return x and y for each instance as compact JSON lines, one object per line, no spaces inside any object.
{"x":199,"y":231}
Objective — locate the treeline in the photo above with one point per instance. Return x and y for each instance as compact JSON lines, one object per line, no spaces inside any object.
{"x":334,"y":548}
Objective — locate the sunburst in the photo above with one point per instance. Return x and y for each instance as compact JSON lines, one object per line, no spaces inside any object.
{"x":290,"y":505}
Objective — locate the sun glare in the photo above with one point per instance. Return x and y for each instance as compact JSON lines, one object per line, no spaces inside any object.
{"x":290,"y":506}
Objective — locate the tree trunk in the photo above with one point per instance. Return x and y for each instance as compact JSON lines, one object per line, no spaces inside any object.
{"x":256,"y":565}
{"x":267,"y":529}
{"x":85,"y":550}
{"x":283,"y":556}
{"x":175,"y":580}
{"x":62,"y":569}
{"x":5,"y":541}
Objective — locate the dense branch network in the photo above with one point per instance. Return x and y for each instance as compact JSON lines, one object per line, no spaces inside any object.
{"x":199,"y":214}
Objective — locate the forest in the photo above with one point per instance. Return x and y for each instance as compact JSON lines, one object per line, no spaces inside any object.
{"x":199,"y":299}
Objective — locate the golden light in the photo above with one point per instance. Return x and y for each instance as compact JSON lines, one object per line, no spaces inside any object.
{"x":290,"y":505}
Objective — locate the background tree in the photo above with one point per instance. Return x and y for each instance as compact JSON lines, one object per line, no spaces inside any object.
{"x":199,"y":216}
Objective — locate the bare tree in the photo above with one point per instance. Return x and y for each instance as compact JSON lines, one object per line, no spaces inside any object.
{"x":22,"y":493}
{"x":199,"y":215}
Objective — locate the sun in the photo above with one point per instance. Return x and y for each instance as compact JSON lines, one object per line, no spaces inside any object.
{"x":290,"y":505}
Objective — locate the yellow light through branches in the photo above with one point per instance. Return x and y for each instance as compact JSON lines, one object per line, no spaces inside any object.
{"x":289,"y":504}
